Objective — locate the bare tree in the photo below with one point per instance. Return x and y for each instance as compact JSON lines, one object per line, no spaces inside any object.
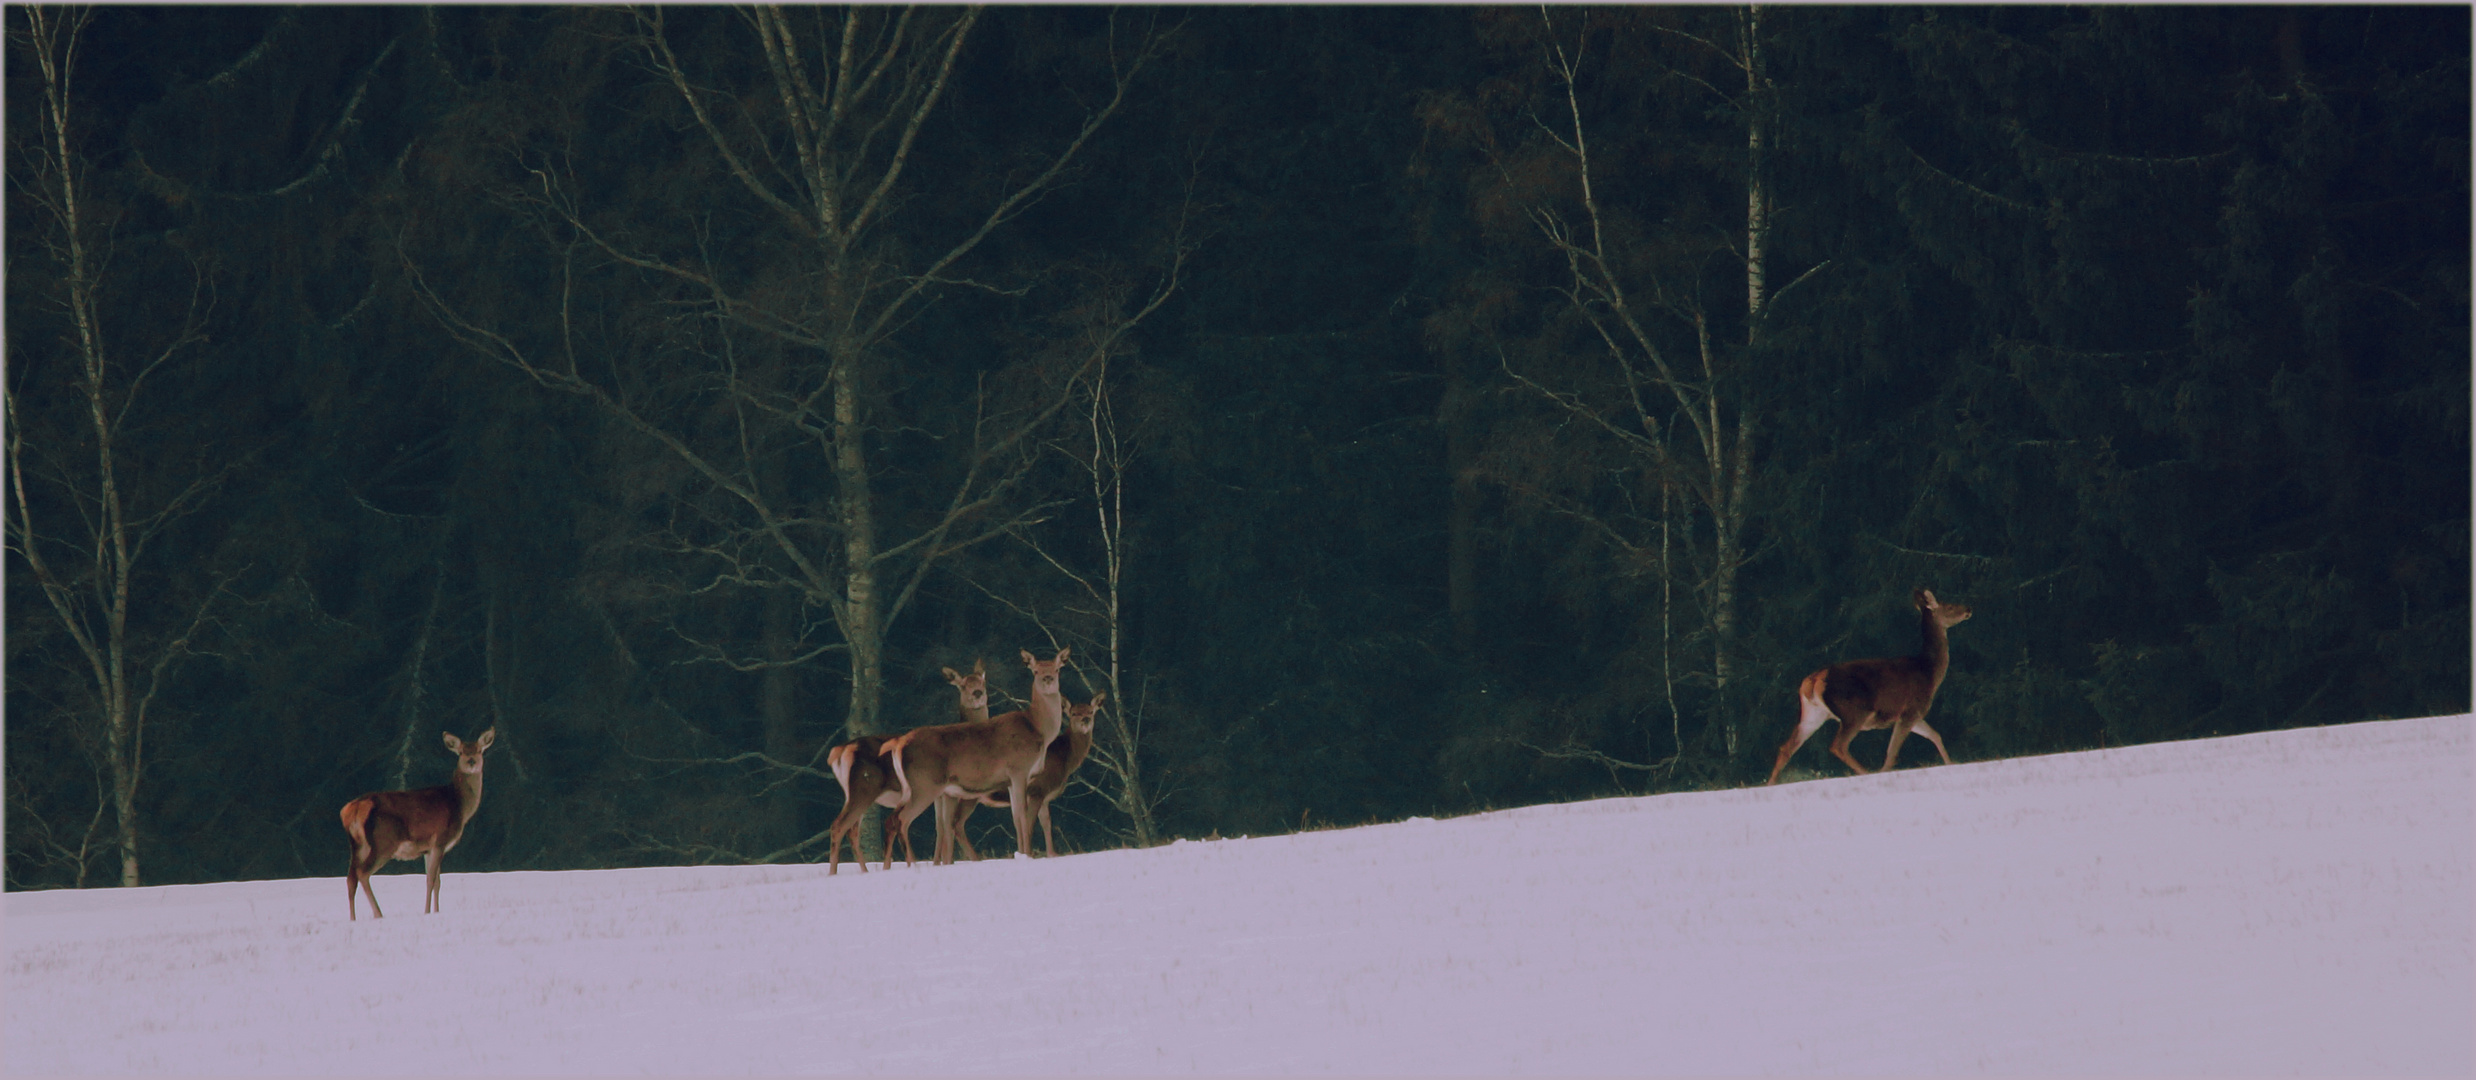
{"x":83,"y":506}
{"x":849,"y":95}
{"x":765,"y":375}
{"x":1102,"y":456}
{"x":1671,"y":396}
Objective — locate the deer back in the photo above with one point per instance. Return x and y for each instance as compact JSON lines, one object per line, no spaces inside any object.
{"x":976,"y":756}
{"x":405,"y":823}
{"x":1887,"y":687}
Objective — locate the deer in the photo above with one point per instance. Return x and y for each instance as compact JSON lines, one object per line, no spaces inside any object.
{"x":968,"y":760}
{"x":867,"y":779}
{"x":425,"y":822}
{"x":1065,"y":754}
{"x":1889,"y":693}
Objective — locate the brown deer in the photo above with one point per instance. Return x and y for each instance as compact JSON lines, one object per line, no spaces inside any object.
{"x":1868,"y":694}
{"x":427,"y":822}
{"x":968,"y":760}
{"x":1064,"y":756}
{"x":867,"y":779}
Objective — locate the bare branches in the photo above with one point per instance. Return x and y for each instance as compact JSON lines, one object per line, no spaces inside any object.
{"x":89,"y":572}
{"x":344,"y":125}
{"x":667,"y":62}
{"x":1021,"y":198}
{"x":1578,"y":752}
{"x":778,"y":371}
{"x":1651,"y":364}
{"x":498,"y":348}
{"x":893,"y":171}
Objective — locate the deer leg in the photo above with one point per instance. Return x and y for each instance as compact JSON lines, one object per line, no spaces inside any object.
{"x":850,"y":834}
{"x":1048,"y":834}
{"x":1810,"y":717}
{"x":377,"y":839}
{"x":892,"y":800}
{"x":369,"y":869}
{"x":962,"y":813}
{"x":898,"y":824}
{"x":846,"y":826}
{"x":1848,"y":730}
{"x":945,"y":835}
{"x":371,"y":891}
{"x":356,"y":819}
{"x":847,"y":820}
{"x":1899,"y":733}
{"x":1931,"y":737}
{"x":429,"y":899}
{"x":1015,"y":798}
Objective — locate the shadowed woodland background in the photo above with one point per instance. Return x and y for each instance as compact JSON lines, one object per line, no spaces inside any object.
{"x":1398,"y":411}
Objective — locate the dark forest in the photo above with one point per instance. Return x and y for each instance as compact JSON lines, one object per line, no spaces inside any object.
{"x":1396,"y":411}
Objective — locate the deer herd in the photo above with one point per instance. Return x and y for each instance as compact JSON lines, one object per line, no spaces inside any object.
{"x":1017,"y":760}
{"x":1021,"y":759}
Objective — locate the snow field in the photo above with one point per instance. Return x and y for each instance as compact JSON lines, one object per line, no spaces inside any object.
{"x":2294,"y":902}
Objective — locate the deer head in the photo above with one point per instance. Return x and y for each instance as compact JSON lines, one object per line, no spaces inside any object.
{"x":1044,"y":677}
{"x":1079,"y":717}
{"x":468,"y":758}
{"x":1945,"y":615}
{"x":974,"y":687}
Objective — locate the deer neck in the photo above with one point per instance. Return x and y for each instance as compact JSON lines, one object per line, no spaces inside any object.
{"x":468,"y":796}
{"x":1048,"y":713}
{"x":1938,"y":654}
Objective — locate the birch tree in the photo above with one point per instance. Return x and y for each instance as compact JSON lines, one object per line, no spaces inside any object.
{"x":771,"y":366}
{"x":1642,"y":345}
{"x":89,"y":491}
{"x":1101,"y":453}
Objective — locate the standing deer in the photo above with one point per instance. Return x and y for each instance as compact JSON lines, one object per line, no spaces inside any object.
{"x":1065,"y":754}
{"x":968,"y":760}
{"x":1868,"y":694}
{"x":388,"y":825}
{"x":868,"y":779}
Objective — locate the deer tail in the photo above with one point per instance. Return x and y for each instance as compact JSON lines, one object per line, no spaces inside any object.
{"x":839,"y":760}
{"x":1812,"y":711}
{"x":893,"y":750}
{"x":356,"y":815}
{"x":1810,"y":692}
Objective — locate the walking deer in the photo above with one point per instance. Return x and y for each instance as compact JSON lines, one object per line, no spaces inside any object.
{"x":1867,"y":694}
{"x":1065,"y":754}
{"x":426,"y":822}
{"x":972,"y":759}
{"x":868,"y":779}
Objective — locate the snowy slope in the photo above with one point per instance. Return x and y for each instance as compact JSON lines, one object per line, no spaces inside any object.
{"x":2282,"y":903}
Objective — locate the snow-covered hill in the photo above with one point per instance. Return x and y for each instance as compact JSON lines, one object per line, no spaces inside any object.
{"x":2282,"y":903}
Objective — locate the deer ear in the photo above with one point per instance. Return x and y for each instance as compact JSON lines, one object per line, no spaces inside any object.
{"x":952,"y":677}
{"x":979,"y":666}
{"x":1029,"y":660}
{"x":1061,"y":656}
{"x":1924,"y":598}
{"x":454,"y":744}
{"x":1098,"y":698}
{"x":484,"y":742}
